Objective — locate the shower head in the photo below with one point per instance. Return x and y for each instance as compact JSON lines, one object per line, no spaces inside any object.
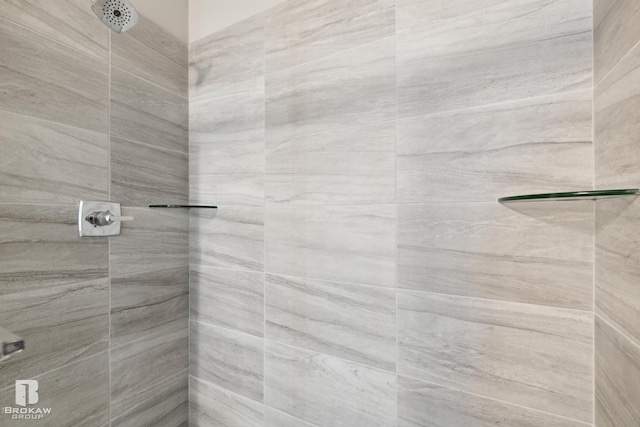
{"x":119,"y":15}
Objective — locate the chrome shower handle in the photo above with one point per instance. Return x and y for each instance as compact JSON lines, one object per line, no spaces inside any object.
{"x":105,"y":218}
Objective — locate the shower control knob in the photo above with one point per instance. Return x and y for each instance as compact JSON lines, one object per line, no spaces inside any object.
{"x":105,"y":218}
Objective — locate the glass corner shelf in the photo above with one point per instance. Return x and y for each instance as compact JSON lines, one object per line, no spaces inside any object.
{"x":573,"y":195}
{"x":183,"y":207}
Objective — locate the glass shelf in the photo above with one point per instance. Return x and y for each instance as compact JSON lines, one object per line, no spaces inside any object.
{"x":183,"y":206}
{"x":573,"y":195}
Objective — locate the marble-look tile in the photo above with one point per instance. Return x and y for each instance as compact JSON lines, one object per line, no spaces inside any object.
{"x":157,"y":239}
{"x":327,"y":391}
{"x":60,"y":323}
{"x":168,"y":408}
{"x":69,"y":22}
{"x":273,"y":418}
{"x":618,"y":264}
{"x":617,"y":378}
{"x":228,"y":57}
{"x":301,"y":31}
{"x":44,"y":162}
{"x":462,"y":54}
{"x":487,"y":250}
{"x":51,"y":81}
{"x":353,"y":322}
{"x":339,"y":243}
{"x":142,"y":175}
{"x":39,"y":246}
{"x":144,"y":112}
{"x":615,"y":32}
{"x":480,"y":154}
{"x":229,"y":359}
{"x":347,"y":89}
{"x":212,"y":406}
{"x":230,"y":237}
{"x":78,"y":395}
{"x":151,"y":52}
{"x":228,"y":298}
{"x":346,"y":166}
{"x":422,"y":404}
{"x":531,"y":355}
{"x":145,"y":370}
{"x":150,"y":303}
{"x":227,"y":146}
{"x":617,"y":128}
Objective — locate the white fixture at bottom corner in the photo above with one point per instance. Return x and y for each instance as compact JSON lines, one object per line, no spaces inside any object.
{"x":100,"y":219}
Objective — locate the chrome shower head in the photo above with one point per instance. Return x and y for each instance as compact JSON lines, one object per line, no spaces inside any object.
{"x":119,"y":15}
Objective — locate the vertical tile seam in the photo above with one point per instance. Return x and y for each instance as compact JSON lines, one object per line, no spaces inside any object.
{"x":264,"y":216}
{"x":109,"y":238}
{"x":395,"y":181}
{"x":595,"y":212}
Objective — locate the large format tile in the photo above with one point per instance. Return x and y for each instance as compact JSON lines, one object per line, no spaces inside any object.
{"x":618,"y":264}
{"x":44,"y":162}
{"x":301,"y":31}
{"x":227,"y":146}
{"x":530,"y":355}
{"x":617,"y":127}
{"x":228,"y":298}
{"x":346,"y":166}
{"x":273,"y":418}
{"x":144,"y":370}
{"x":50,"y":81}
{"x":212,"y":406}
{"x":144,"y":112}
{"x":343,"y":90}
{"x":60,"y":324}
{"x":422,"y":404}
{"x":156,"y":239}
{"x":480,"y":154}
{"x":617,"y":378}
{"x":615,"y":32}
{"x":39,"y":246}
{"x":229,"y":359}
{"x":231,"y":237}
{"x":340,"y":243}
{"x":151,"y":52}
{"x":143,"y":175}
{"x":463,"y":54}
{"x":78,"y":395}
{"x":349,"y":321}
{"x":487,"y":250}
{"x":327,"y":391}
{"x":228,"y":57}
{"x":149,"y":303}
{"x":69,"y":22}
{"x":168,"y":408}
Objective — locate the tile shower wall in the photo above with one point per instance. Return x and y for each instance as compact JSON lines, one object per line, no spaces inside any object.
{"x":617,"y":73}
{"x":359,"y":271}
{"x":89,"y":115}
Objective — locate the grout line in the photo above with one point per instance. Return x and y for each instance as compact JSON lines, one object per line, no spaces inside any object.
{"x":395,"y":193}
{"x":109,"y":238}
{"x":264,"y":215}
{"x":586,"y":423}
{"x":184,"y":97}
{"x":594,"y":212}
{"x":146,"y":144}
{"x":553,"y":307}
